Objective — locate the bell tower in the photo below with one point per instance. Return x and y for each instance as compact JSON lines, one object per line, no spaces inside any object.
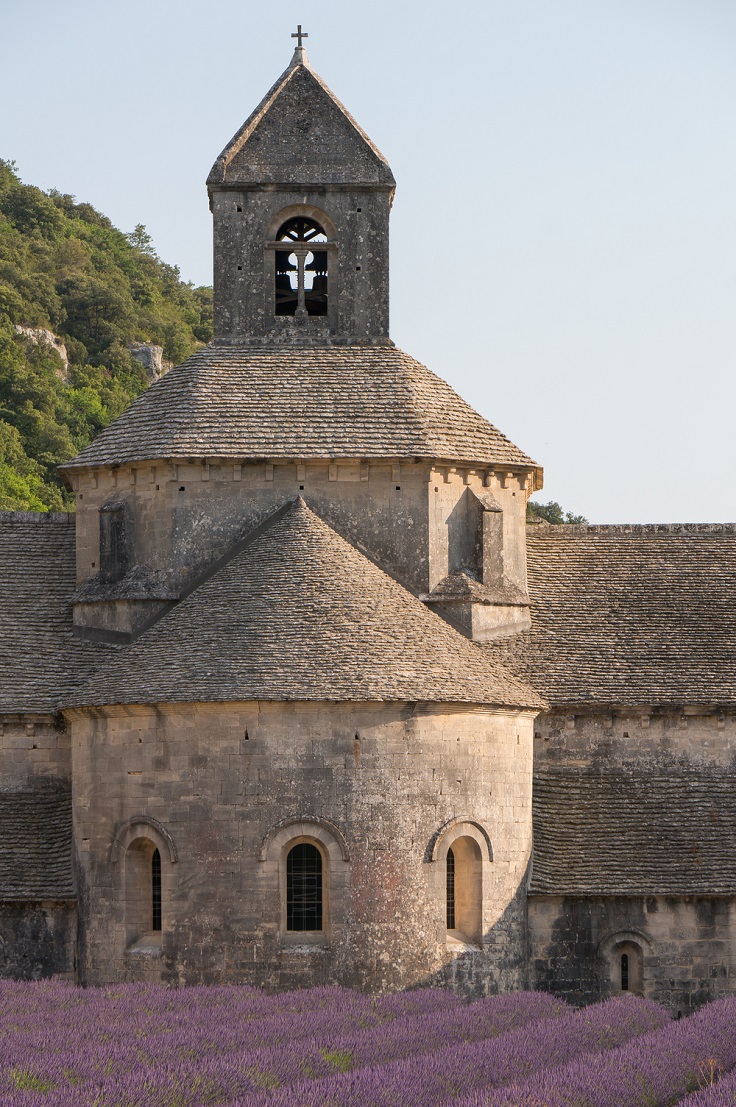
{"x":300,"y":200}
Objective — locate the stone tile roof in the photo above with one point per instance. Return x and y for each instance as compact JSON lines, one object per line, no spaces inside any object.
{"x":39,"y":657}
{"x":641,"y":832}
{"x":277,"y":402}
{"x":300,"y":614}
{"x":36,"y":836}
{"x":634,"y":615}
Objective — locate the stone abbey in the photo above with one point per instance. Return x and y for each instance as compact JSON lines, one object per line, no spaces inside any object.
{"x":297,"y":697}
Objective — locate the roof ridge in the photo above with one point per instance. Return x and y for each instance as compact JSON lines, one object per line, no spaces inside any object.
{"x":562,"y":530}
{"x":37,"y":517}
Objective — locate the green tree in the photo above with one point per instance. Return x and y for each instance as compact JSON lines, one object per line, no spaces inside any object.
{"x":65,"y":267}
{"x":552,"y":513}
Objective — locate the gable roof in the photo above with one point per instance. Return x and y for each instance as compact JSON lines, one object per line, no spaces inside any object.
{"x":634,"y":831}
{"x":279,"y":402}
{"x":300,"y":614}
{"x":630,"y":615}
{"x":300,"y":132}
{"x":36,"y":836}
{"x":39,"y":657}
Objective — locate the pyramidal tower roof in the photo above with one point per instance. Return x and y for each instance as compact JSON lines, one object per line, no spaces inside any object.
{"x":300,"y":131}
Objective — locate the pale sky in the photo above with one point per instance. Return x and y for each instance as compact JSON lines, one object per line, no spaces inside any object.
{"x":564,"y":231}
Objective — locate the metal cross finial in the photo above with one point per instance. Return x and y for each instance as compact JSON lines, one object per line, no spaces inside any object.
{"x":300,"y":34}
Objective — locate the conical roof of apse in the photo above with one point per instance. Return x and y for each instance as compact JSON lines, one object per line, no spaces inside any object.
{"x":300,"y":132}
{"x":298,"y":613}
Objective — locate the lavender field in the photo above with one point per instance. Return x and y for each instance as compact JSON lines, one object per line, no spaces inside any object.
{"x":135,"y":1045}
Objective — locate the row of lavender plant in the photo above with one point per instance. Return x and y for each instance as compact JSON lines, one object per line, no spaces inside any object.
{"x":57,"y":1017}
{"x":654,"y":1071}
{"x":48,"y":1059}
{"x":716,"y":1090}
{"x":438,"y":1077}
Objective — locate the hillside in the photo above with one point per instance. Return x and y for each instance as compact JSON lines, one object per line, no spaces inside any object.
{"x":65,"y":269}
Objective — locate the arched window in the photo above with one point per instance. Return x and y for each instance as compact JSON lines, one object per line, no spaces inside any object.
{"x":300,"y":269}
{"x":627,"y":968}
{"x":155,"y":890}
{"x":143,"y":891}
{"x":450,"y":889}
{"x":465,"y":890}
{"x":304,"y":888}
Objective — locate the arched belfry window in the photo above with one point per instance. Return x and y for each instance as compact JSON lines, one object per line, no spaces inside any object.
{"x":304,"y":888}
{"x":301,"y":268}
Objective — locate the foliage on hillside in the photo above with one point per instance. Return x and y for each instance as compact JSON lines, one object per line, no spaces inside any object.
{"x":551,"y":513}
{"x":66,"y":268}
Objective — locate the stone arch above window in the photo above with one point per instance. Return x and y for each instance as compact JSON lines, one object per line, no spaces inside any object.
{"x":460,"y":827}
{"x":143,"y":826}
{"x":304,"y":827}
{"x":624,"y":952}
{"x":304,"y":210}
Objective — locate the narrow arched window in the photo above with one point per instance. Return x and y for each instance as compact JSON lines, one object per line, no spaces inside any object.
{"x":624,"y":972}
{"x":155,"y":890}
{"x":450,"y":889}
{"x":301,"y":268}
{"x":464,"y":890}
{"x":304,"y":888}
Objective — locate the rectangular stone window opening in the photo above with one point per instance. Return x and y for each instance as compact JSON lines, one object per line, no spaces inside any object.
{"x":114,"y":541}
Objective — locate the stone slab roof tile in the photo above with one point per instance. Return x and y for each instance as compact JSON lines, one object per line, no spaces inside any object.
{"x":300,"y":614}
{"x":641,"y":832}
{"x":36,"y":836}
{"x":286,"y":402}
{"x":638,"y":615}
{"x":39,"y":657}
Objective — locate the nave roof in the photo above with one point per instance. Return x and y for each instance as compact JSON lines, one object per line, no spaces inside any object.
{"x":629,"y":615}
{"x":634,"y":830}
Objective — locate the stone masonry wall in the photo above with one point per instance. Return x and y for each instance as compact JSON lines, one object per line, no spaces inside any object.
{"x":687,"y":945}
{"x":33,"y":747}
{"x":687,"y":942}
{"x":612,"y":737}
{"x":219,"y":778}
{"x":37,"y":940}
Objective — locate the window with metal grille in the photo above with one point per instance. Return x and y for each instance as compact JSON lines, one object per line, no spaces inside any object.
{"x":301,"y":269}
{"x":450,"y":889}
{"x":155,"y":890}
{"x":624,"y":972}
{"x":304,"y":888}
